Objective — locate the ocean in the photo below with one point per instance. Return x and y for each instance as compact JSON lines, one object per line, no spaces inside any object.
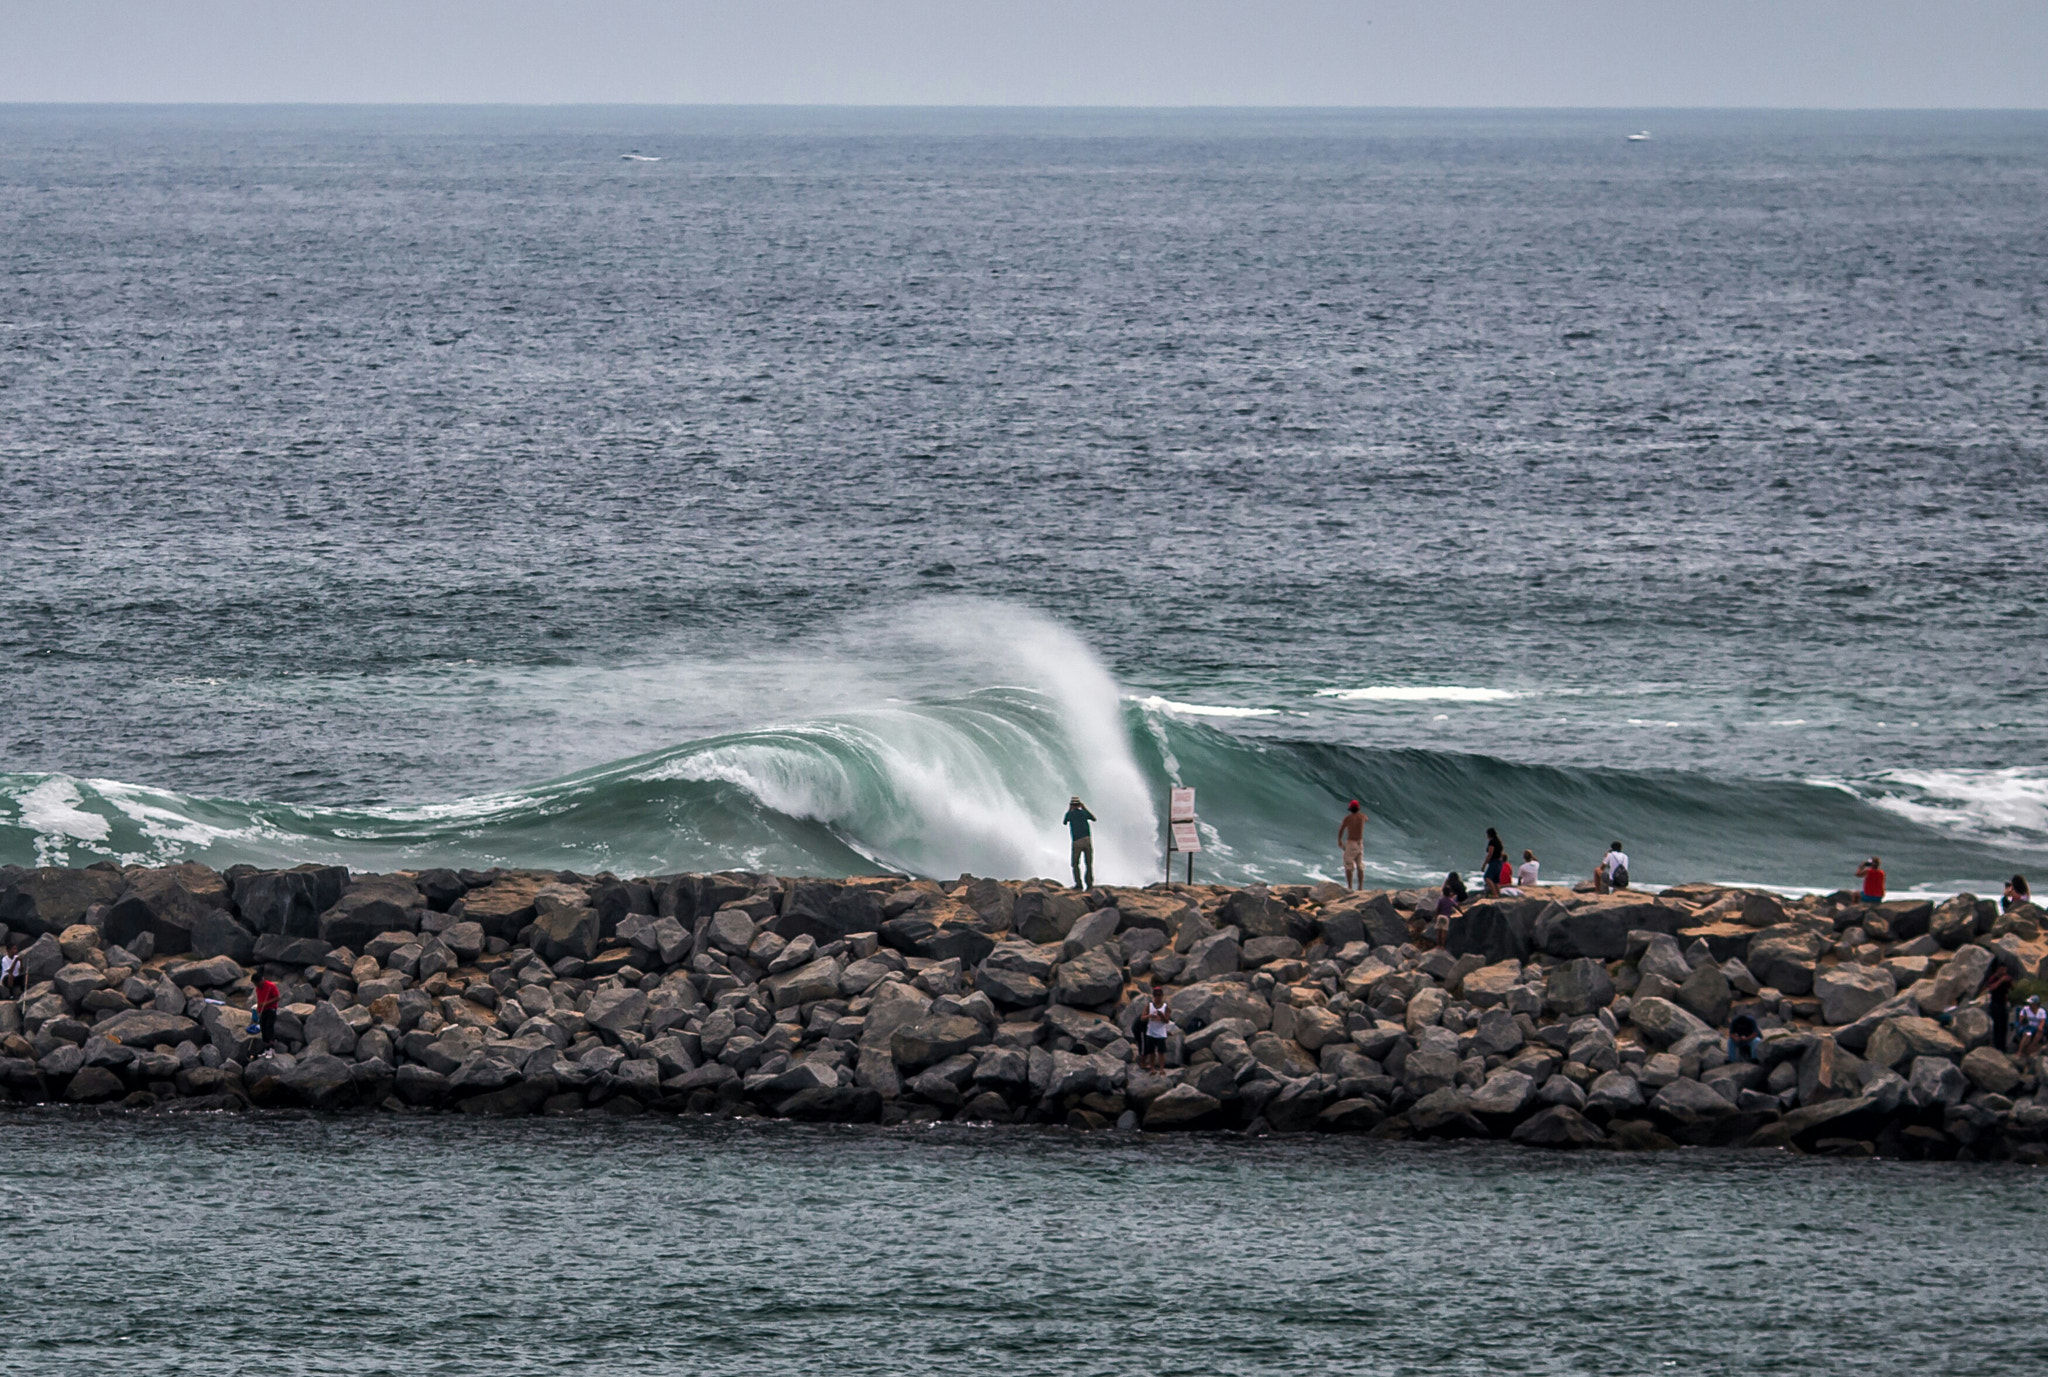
{"x":845,"y":489}
{"x":452,"y":1245}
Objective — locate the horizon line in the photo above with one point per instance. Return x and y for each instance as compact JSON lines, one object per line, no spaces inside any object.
{"x":994,"y":106}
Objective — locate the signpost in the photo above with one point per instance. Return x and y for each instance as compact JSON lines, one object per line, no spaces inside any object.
{"x":1181,"y":835}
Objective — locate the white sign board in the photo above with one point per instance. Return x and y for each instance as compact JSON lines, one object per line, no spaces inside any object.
{"x":1181,"y":805}
{"x":1185,"y":838}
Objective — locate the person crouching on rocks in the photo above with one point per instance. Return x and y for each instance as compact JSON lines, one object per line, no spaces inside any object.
{"x":1745,"y":1039}
{"x":1158,"y":1028}
{"x":266,"y":1009}
{"x":1449,"y":900}
{"x":1077,"y":819}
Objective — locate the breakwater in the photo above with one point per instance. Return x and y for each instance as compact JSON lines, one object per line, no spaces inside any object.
{"x":1552,"y":1019}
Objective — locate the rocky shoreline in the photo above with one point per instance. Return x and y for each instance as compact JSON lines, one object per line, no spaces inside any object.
{"x":1554,"y":1019}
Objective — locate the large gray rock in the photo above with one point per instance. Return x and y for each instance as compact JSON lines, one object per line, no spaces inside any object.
{"x":1505,"y":1094}
{"x":1661,"y":956}
{"x":1046,"y":915}
{"x":49,"y":899}
{"x":218,"y":934}
{"x":1662,"y":1023}
{"x":165,"y":903}
{"x":371,"y":904}
{"x":1211,"y":957}
{"x":327,"y":1025}
{"x":930,"y":1040}
{"x":1578,"y":987}
{"x":1600,"y":929}
{"x":1935,"y":1082}
{"x":566,"y":932}
{"x":1992,"y":1070}
{"x":1255,"y":912}
{"x":1181,"y":1107}
{"x":321,"y":1082}
{"x":93,"y":1085}
{"x":150,"y":1028}
{"x":1706,"y":995}
{"x":288,"y":903}
{"x":1904,"y":1038}
{"x":1614,"y":1092}
{"x":1090,"y":979}
{"x":1783,"y":958}
{"x":1495,"y":929}
{"x":1010,"y":989}
{"x":1559,"y":1126}
{"x":1195,"y":1007}
{"x":842,"y":1104}
{"x":216,"y":972}
{"x":75,"y":981}
{"x":1090,"y":932}
{"x":1955,"y":921}
{"x":807,"y":984}
{"x":1828,"y":1072}
{"x":41,"y":959}
{"x":616,"y":1011}
{"x":1848,"y":992}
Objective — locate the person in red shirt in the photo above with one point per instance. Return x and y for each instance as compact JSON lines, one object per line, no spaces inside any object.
{"x":1872,"y":874}
{"x":266,"y":1007}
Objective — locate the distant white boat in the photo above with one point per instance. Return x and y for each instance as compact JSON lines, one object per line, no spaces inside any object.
{"x":1641,"y":136}
{"x":643,"y":158}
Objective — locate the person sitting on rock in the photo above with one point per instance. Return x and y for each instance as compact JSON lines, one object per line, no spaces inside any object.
{"x":1158,"y":1028}
{"x":2031,"y":1022}
{"x":1449,"y":900}
{"x":1525,"y":878}
{"x":2016,"y":893}
{"x":1745,"y":1039}
{"x":1615,"y":864}
{"x":1871,"y":872}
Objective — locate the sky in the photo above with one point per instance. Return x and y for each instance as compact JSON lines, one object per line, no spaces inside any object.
{"x":1463,"y":53}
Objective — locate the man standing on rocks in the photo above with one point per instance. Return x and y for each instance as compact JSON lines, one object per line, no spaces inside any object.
{"x":1351,"y":840}
{"x":1158,"y":1028}
{"x":1077,"y":819}
{"x":10,"y":971}
{"x":266,"y":1008}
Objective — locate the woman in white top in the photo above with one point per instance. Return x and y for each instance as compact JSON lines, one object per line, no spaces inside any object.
{"x":1525,"y":877}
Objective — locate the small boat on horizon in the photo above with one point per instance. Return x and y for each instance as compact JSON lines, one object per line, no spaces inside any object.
{"x":1640,"y":136}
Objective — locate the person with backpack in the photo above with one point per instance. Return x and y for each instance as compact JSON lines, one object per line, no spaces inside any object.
{"x":1614,"y":865}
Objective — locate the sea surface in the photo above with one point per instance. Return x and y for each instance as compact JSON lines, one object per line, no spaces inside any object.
{"x":231,"y":1244}
{"x":847,"y":488}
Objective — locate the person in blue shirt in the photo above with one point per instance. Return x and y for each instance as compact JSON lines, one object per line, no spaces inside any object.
{"x":1077,"y":819}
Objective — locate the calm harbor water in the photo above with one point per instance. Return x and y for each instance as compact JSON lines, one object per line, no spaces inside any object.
{"x":439,"y":1246}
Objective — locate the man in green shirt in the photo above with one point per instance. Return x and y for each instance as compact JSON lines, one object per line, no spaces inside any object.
{"x":1077,"y":819}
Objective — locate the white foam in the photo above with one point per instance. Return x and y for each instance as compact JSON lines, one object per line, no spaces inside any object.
{"x":1983,"y":803}
{"x":1433,"y":693}
{"x":1157,"y":704}
{"x":51,"y":811}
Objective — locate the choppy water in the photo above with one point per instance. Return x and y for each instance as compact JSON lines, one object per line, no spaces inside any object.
{"x":288,"y":1246}
{"x":373,"y":473}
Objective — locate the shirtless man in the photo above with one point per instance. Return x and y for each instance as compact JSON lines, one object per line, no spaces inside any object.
{"x":1351,"y":837}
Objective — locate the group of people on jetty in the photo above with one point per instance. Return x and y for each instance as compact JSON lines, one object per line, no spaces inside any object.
{"x":2026,"y":1028}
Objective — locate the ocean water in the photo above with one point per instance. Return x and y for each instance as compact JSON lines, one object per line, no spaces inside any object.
{"x":453,"y":1246}
{"x":845,"y":489}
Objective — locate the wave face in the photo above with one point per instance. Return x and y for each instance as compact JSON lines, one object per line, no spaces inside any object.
{"x":977,"y":783}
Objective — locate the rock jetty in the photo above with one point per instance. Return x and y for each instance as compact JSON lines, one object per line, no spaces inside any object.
{"x":1554,"y":1019}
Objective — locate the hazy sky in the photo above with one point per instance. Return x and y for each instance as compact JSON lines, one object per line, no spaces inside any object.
{"x":1855,"y":53}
